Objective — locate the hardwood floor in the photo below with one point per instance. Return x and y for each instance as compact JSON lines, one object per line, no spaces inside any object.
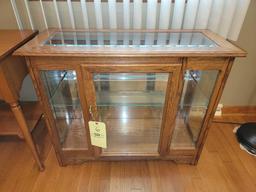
{"x":222,"y":167}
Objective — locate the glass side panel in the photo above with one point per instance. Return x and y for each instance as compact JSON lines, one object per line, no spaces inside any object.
{"x":61,"y":88}
{"x":196,"y":95}
{"x":131,"y":105}
{"x":131,"y":39}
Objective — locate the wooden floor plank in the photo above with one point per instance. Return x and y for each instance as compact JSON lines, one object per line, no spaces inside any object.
{"x":211,"y":172}
{"x":136,"y":176}
{"x":244,"y":162}
{"x":230,"y":162}
{"x":100,"y":177}
{"x":154,"y":173}
{"x":223,"y":166}
{"x":117,"y":176}
{"x":192,"y":179}
{"x":47,"y":180}
{"x":84,"y":177}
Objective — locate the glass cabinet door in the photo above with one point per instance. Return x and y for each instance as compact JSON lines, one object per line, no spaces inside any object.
{"x":62,"y":93}
{"x":131,"y":105}
{"x":197,"y":91}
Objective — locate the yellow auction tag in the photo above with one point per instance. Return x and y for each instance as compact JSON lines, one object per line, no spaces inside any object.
{"x":98,"y":134}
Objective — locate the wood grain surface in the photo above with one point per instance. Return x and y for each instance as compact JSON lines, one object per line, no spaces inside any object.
{"x":12,"y":39}
{"x":9,"y":126}
{"x":36,"y":47}
{"x":223,"y":167}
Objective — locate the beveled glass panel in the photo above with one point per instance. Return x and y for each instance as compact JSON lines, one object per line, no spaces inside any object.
{"x":131,"y":39}
{"x":61,"y":89}
{"x":131,"y":105}
{"x":196,"y":95}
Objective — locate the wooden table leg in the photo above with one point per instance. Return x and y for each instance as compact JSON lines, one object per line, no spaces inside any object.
{"x":17,"y":111}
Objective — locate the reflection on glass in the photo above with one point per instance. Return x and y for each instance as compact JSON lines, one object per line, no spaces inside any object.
{"x":61,"y":88}
{"x":131,"y":105}
{"x":196,"y":95}
{"x":131,"y":39}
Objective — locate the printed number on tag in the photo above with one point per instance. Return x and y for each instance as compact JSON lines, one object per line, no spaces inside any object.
{"x":98,"y":134}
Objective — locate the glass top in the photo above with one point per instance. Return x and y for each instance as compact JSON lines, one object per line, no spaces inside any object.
{"x":131,"y":39}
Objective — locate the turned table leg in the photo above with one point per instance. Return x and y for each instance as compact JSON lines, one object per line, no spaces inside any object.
{"x":17,"y":111}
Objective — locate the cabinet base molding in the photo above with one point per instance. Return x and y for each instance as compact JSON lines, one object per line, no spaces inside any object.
{"x":180,"y":159}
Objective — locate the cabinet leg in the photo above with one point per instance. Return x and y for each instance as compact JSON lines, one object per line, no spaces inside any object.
{"x":16,"y":109}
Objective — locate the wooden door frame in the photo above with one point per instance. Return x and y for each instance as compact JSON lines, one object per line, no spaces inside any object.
{"x":63,"y":154}
{"x":224,"y":71}
{"x":169,"y":111}
{"x":221,"y":64}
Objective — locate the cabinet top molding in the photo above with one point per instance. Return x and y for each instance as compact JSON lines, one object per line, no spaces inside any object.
{"x":119,"y":43}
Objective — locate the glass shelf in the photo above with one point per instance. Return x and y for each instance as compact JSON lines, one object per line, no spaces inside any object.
{"x":130,"y":39}
{"x":130,"y":89}
{"x":130,"y":98}
{"x":130,"y":77}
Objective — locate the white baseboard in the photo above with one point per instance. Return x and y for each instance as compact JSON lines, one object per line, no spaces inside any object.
{"x":218,"y":111}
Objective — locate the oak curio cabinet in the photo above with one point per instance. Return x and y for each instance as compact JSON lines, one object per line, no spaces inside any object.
{"x":156,"y":91}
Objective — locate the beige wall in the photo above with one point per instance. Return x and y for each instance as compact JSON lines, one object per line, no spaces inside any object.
{"x":8,"y":21}
{"x":241,"y":85}
{"x":7,"y":18}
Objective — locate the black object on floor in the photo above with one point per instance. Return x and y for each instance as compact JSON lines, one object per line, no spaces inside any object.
{"x":246,"y":135}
